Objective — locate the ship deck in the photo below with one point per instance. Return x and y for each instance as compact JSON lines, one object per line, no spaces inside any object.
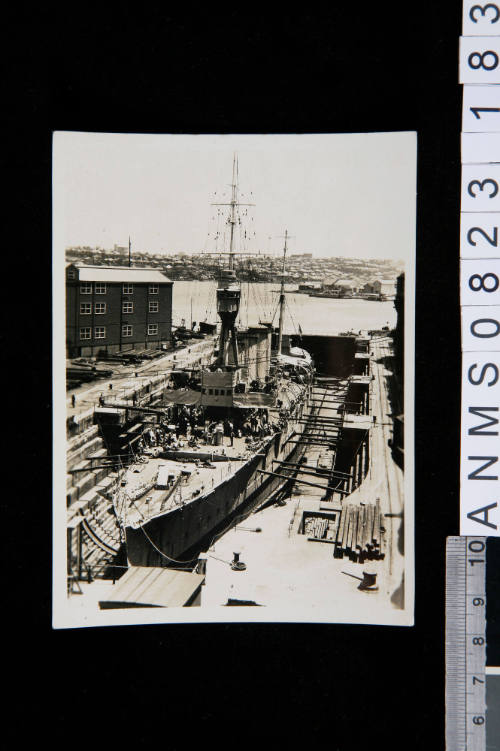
{"x":199,"y":476}
{"x":201,"y":468}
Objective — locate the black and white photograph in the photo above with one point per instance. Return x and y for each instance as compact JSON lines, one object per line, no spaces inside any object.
{"x":233,"y":370}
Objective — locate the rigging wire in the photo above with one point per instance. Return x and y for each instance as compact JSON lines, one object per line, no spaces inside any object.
{"x":174,"y":560}
{"x":211,"y":300}
{"x":274,"y":314}
{"x":247,"y":299}
{"x":297,"y":331}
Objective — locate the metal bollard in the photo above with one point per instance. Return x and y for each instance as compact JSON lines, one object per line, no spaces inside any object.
{"x":236,"y":564}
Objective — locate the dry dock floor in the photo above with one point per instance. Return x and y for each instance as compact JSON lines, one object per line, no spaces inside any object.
{"x":286,"y":570}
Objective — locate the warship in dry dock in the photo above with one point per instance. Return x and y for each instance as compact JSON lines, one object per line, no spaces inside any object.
{"x":228,"y":439}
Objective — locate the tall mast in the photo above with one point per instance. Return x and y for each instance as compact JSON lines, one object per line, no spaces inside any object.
{"x":129,"y":252}
{"x":233,"y":204}
{"x":282,"y":298}
{"x":232,"y":218}
{"x":228,"y":292}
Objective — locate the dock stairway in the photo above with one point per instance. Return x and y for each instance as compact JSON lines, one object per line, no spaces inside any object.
{"x":88,"y":465}
{"x":100,"y":536}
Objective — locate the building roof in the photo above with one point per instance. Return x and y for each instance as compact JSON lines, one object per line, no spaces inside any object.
{"x":88,"y":273}
{"x":334,"y":280}
{"x":347,"y":283}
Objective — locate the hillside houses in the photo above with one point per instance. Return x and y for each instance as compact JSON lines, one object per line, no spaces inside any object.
{"x":351,"y":274}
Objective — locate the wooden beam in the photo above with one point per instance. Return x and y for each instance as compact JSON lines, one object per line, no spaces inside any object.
{"x":314,"y":443}
{"x":330,"y":408}
{"x":135,"y":408}
{"x":303,"y":482}
{"x":329,"y":423}
{"x":321,"y":432}
{"x":299,"y":464}
{"x":312,"y":466}
{"x":308,"y":472}
{"x":333,"y":401}
{"x":96,"y":466}
{"x":318,"y":416}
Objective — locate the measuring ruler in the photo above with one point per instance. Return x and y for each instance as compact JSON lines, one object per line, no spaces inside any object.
{"x":480,"y":269}
{"x":465,"y":644}
{"x":467,"y":690}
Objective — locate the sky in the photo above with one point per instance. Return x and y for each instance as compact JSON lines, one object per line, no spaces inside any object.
{"x":350,"y":195}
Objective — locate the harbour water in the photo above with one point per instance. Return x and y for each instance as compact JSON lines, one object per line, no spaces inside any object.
{"x":314,"y":315}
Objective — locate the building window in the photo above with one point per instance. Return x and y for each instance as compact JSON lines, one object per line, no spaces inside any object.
{"x":86,"y":333}
{"x":210,"y":391}
{"x":127,"y":330}
{"x":100,"y":332}
{"x":153,"y":289}
{"x":153,"y":306}
{"x":100,"y":288}
{"x":152,"y":329}
{"x":86,"y":288}
{"x":100,"y":308}
{"x":128,"y":289}
{"x":85,"y":308}
{"x":127,"y":307}
{"x":71,"y":273}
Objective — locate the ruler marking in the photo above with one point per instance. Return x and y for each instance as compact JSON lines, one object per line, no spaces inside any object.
{"x":465,"y":660}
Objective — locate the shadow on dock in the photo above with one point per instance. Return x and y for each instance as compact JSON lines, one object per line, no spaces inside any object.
{"x":395,"y":396}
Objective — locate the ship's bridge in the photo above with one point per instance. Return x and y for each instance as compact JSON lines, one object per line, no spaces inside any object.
{"x":217,"y":387}
{"x":229,"y":388}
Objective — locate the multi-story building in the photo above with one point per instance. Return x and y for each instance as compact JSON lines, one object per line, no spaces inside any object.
{"x":116,"y":308}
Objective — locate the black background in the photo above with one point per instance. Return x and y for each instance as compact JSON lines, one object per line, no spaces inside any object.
{"x":353,"y":68}
{"x":492,"y":602}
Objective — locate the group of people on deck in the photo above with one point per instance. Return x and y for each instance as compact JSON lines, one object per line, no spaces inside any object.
{"x":190,"y":424}
{"x":256,"y":424}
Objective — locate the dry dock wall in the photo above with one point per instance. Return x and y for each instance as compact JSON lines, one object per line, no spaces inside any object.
{"x":332,"y":355}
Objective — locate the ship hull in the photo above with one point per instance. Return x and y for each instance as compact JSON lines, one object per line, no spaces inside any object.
{"x":187,"y":528}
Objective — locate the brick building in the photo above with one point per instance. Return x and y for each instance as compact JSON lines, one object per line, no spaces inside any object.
{"x":116,"y":308}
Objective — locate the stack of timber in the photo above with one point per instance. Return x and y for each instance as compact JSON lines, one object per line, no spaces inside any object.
{"x":320,"y":528}
{"x":361,"y":533}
